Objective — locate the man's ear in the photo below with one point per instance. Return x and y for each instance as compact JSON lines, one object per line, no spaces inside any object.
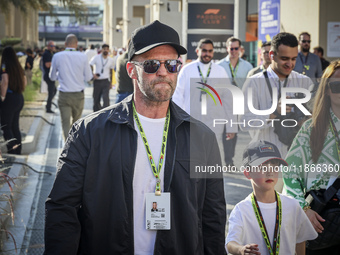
{"x":131,"y":70}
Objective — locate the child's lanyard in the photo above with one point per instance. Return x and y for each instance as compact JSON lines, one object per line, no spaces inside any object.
{"x":336,"y":136}
{"x":155,"y":170}
{"x":278,"y":221}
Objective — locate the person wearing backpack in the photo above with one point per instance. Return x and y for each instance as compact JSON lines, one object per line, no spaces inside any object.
{"x":314,"y":159}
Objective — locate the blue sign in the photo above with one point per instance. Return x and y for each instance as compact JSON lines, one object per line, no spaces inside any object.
{"x":269,"y":19}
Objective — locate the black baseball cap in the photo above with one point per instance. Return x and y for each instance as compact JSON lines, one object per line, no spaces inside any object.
{"x":260,"y":152}
{"x":150,"y":36}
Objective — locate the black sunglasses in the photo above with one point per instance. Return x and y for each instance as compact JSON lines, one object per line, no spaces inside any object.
{"x":334,"y":86}
{"x":152,"y":65}
{"x":205,"y":50}
{"x":236,"y":48}
{"x":306,"y":41}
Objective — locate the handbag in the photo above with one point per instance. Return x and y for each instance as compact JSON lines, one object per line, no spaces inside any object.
{"x":287,"y":133}
{"x":328,"y":208}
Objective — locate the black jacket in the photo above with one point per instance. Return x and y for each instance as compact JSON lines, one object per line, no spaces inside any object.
{"x":90,"y":207}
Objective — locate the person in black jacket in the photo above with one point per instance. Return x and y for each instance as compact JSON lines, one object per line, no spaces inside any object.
{"x":29,"y":65}
{"x":47,"y":61}
{"x":145,"y":146}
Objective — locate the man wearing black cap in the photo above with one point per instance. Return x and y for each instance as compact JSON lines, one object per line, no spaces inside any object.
{"x":101,"y":85}
{"x":118,"y":161}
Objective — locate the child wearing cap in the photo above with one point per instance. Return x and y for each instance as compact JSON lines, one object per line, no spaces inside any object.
{"x":267,"y":222}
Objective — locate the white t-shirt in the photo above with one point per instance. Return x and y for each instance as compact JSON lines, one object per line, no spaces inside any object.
{"x":145,"y":182}
{"x":102,"y":66}
{"x":295,"y":227}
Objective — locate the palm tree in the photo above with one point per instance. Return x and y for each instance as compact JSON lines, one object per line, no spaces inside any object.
{"x":74,"y":5}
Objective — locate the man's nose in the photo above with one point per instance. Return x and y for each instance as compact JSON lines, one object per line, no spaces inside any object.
{"x":162,"y":70}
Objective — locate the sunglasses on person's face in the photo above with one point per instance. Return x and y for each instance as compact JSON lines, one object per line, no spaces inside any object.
{"x":335,"y":87}
{"x":306,"y":41}
{"x":236,"y":48}
{"x":152,"y":65}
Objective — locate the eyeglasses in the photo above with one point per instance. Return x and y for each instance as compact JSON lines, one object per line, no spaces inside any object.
{"x":334,"y":86}
{"x":205,"y":51}
{"x":236,"y":48}
{"x":306,"y":41}
{"x":152,"y":65}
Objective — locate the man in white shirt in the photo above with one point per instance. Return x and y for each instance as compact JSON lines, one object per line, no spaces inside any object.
{"x":190,"y":98}
{"x":71,"y":68}
{"x":90,"y":52}
{"x":284,"y":52}
{"x":101,"y":85}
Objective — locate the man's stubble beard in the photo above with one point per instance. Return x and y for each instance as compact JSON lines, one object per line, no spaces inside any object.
{"x":305,"y":49}
{"x":152,"y":96}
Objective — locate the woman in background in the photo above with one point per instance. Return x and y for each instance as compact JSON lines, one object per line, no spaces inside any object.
{"x":13,"y":82}
{"x":317,"y":146}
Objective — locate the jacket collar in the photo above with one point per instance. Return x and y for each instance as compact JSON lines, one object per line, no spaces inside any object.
{"x":122,"y":113}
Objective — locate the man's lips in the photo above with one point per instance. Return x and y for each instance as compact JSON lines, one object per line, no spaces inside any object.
{"x":269,"y":181}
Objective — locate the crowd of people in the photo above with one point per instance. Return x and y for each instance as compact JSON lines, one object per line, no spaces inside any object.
{"x":125,"y":160}
{"x":103,"y":198}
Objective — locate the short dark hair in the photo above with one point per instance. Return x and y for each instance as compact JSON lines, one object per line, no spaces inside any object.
{"x":265,"y":44}
{"x":283,"y":38}
{"x":105,"y":45}
{"x":204,"y":41}
{"x":92,"y":47}
{"x":319,"y":49}
{"x":233,"y":39}
{"x":304,"y":33}
{"x":29,"y":51}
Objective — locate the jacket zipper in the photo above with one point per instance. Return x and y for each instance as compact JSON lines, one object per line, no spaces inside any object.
{"x":172,"y":171}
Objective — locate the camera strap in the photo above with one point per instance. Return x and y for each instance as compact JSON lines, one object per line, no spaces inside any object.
{"x":270,"y":86}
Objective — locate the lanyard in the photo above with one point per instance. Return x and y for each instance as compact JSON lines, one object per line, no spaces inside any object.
{"x":276,"y":241}
{"x":103,"y":65}
{"x":234,"y":71}
{"x":204,"y":80}
{"x":336,"y":136}
{"x":304,"y":63}
{"x":270,"y":86}
{"x":156,"y":171}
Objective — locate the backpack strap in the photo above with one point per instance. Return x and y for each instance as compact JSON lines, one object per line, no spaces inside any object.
{"x":332,"y":190}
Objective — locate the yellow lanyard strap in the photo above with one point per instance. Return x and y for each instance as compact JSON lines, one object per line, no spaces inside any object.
{"x":156,"y":170}
{"x":276,"y":241}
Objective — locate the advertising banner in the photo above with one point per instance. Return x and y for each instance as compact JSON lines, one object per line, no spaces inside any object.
{"x":219,"y":40}
{"x":210,"y":16}
{"x":269,"y":19}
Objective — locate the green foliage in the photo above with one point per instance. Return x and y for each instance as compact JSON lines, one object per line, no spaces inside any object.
{"x":24,"y":5}
{"x":32,"y":90}
{"x":10,"y":41}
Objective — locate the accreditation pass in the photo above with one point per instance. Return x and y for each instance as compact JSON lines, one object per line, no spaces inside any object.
{"x":157,"y":213}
